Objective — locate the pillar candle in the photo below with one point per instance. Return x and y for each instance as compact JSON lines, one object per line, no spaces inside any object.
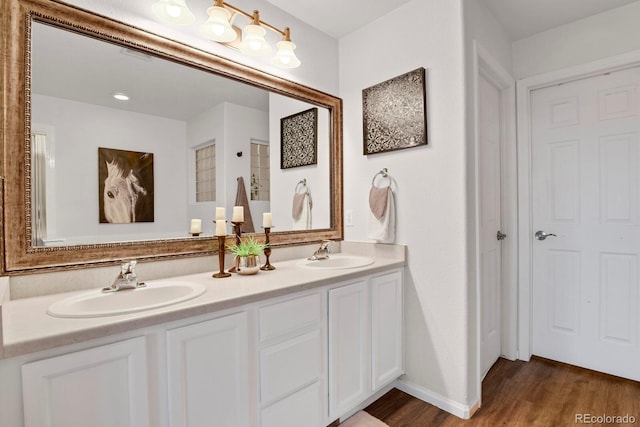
{"x":267,"y":220}
{"x":238,"y":214}
{"x":220,"y":213}
{"x":196,"y":226}
{"x":221,"y":227}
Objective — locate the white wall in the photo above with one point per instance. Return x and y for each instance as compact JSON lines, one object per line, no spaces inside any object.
{"x":317,"y":51}
{"x":599,"y":36}
{"x":481,"y":28}
{"x":284,"y":181}
{"x":429,"y":182}
{"x":80,"y":129}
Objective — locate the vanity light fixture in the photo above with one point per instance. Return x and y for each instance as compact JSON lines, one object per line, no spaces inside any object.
{"x":121,"y":96}
{"x":173,"y":11}
{"x":250,"y":40}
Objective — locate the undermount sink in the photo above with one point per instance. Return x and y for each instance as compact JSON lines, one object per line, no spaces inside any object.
{"x":337,"y":261}
{"x":96,"y":303}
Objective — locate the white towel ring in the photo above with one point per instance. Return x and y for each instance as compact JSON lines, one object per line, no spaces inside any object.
{"x":302,"y":183}
{"x":385,"y":174}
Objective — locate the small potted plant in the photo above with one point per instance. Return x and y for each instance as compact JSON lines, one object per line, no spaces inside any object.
{"x":247,"y":255}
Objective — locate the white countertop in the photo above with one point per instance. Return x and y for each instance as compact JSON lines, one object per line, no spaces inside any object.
{"x":27,"y":328}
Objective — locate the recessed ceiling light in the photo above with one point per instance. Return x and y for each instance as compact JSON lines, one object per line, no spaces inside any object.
{"x":120,"y":96}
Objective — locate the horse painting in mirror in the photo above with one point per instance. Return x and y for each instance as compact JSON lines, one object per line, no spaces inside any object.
{"x":126,"y":186}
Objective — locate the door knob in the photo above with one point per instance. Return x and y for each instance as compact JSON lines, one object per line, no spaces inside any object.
{"x":500,"y":235}
{"x":541,"y":235}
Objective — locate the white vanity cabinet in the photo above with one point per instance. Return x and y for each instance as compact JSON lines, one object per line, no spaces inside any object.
{"x":208,"y":373}
{"x":365,"y":339}
{"x":292,"y":355}
{"x":301,"y":359}
{"x":100,"y":387}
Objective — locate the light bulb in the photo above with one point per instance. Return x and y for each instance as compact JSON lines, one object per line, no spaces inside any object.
{"x":217,"y":27}
{"x":173,"y":10}
{"x":285,"y":57}
{"x":253,"y":42}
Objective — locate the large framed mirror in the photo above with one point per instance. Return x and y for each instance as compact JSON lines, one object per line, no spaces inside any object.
{"x":91,"y":179}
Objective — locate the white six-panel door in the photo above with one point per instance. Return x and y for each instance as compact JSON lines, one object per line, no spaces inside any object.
{"x":585,"y":159}
{"x":490,"y":221}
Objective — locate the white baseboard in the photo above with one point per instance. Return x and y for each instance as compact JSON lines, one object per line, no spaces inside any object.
{"x":435,"y":399}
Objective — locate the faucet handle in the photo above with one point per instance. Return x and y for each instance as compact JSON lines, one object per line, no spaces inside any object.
{"x":132,"y":266}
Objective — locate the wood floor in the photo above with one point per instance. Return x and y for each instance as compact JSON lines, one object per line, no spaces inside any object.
{"x":538,"y":393}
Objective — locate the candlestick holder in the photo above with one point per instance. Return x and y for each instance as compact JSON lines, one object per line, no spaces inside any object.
{"x":221,"y":273}
{"x":267,"y":251}
{"x":237,"y":229}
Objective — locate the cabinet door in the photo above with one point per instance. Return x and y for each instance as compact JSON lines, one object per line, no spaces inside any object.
{"x":349,"y":347}
{"x":386,"y":329}
{"x":100,"y":387}
{"x":208,"y":380}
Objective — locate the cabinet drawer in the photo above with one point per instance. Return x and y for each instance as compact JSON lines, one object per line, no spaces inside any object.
{"x":303,"y":408}
{"x":291,"y":315}
{"x":289,"y":366}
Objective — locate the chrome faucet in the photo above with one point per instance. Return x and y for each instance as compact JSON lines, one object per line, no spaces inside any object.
{"x":322,"y":252}
{"x":126,"y":279}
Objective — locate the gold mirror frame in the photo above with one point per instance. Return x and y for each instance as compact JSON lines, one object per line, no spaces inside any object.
{"x":20,"y":256}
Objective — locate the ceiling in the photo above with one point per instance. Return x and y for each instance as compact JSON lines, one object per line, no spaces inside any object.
{"x":524,"y":18}
{"x":521,"y":18}
{"x":338,"y":18}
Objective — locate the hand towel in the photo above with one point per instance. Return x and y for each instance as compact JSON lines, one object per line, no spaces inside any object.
{"x":242,"y":200}
{"x":381,"y":229}
{"x":301,"y":211}
{"x":378,"y":198}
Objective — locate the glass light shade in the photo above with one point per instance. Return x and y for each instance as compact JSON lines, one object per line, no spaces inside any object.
{"x":253,"y":42}
{"x":217,"y":27}
{"x":285,"y":56}
{"x":173,"y":11}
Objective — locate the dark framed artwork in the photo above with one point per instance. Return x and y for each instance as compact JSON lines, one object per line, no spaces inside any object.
{"x":299,"y":139}
{"x":394,"y":113}
{"x":125,"y":186}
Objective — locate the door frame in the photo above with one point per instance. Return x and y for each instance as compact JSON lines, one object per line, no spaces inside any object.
{"x":485,"y":65}
{"x":525,"y":230}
